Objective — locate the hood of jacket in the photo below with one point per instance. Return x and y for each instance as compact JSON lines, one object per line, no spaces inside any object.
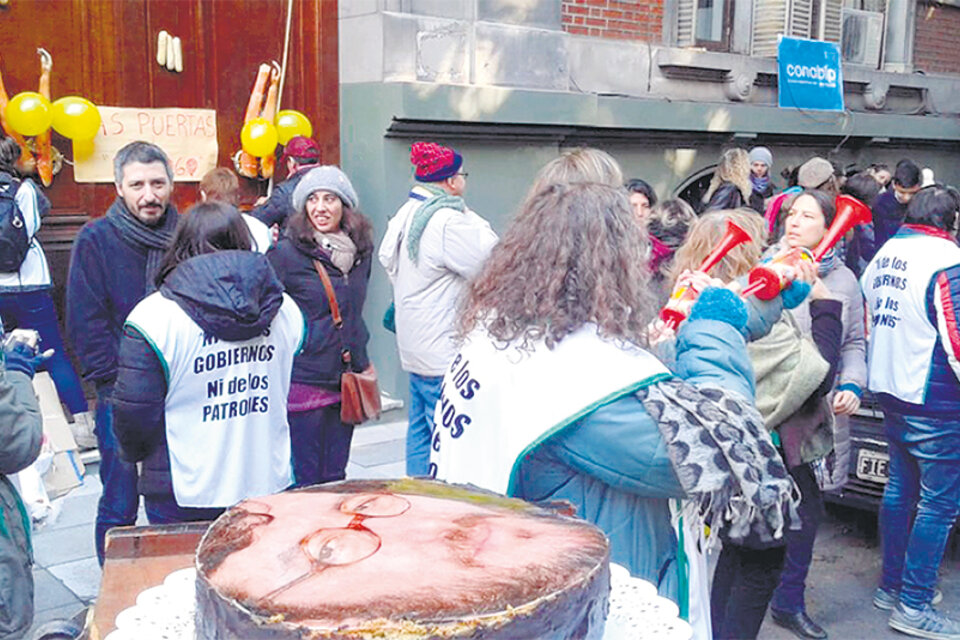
{"x":233,"y":295}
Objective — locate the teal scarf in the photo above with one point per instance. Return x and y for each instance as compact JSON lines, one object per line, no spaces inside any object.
{"x":440,"y":200}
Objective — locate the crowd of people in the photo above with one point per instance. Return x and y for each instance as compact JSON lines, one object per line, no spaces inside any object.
{"x":216,"y":342}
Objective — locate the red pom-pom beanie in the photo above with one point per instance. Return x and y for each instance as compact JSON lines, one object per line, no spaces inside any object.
{"x":434,"y":162}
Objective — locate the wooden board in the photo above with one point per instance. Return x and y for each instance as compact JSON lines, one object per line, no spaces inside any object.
{"x":138,"y":558}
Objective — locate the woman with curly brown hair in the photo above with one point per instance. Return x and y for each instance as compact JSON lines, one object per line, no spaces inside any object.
{"x":553,"y":395}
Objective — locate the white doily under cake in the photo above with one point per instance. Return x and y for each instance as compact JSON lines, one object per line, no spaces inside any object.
{"x":638,"y":613}
{"x":166,"y":612}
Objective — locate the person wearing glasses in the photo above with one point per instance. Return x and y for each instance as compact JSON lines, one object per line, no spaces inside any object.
{"x":433,"y":246}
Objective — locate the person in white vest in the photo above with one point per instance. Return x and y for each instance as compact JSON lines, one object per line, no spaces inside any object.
{"x":912,"y":293}
{"x":433,"y":246}
{"x":204,"y":373}
{"x":554,"y":396}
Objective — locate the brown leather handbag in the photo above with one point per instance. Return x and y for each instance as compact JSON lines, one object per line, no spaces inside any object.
{"x":359,"y":392}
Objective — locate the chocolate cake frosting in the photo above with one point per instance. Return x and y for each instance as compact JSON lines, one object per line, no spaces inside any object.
{"x":405,"y":559}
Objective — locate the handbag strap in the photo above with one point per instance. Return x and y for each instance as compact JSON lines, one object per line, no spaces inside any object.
{"x":334,"y":310}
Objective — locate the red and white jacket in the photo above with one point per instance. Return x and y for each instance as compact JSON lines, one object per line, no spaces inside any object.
{"x":912,"y":293}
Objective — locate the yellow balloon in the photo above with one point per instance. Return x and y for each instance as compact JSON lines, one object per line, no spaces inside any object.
{"x":291,"y":123}
{"x":28,"y":113}
{"x":75,"y":118}
{"x":82,"y":149}
{"x":259,"y":137}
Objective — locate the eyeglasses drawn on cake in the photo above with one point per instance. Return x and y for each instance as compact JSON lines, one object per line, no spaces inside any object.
{"x":341,"y":546}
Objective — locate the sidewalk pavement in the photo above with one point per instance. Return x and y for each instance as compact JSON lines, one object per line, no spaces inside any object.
{"x":66,"y":574}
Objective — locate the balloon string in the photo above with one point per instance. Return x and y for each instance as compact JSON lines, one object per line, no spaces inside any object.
{"x":283,"y":77}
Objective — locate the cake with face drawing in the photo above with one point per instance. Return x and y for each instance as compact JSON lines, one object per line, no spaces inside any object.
{"x":406,"y":559}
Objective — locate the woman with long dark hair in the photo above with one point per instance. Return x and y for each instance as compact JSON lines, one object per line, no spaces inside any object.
{"x":809,"y":215}
{"x":204,"y":373}
{"x":793,"y":372}
{"x":326,"y":232}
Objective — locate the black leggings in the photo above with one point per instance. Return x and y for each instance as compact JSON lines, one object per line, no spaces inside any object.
{"x":742,"y":587}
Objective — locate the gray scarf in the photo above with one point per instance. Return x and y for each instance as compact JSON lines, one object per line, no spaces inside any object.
{"x":153,"y":241}
{"x":341,"y":249}
{"x":723,"y":458}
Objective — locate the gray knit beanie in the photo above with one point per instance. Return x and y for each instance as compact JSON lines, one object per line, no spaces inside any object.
{"x":761,"y":154}
{"x":325,"y":178}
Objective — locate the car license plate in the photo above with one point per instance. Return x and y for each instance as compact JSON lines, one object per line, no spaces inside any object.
{"x":873,"y":465}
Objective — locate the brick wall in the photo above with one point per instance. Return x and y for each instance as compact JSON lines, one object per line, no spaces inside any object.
{"x":936,"y":48}
{"x":615,"y":19}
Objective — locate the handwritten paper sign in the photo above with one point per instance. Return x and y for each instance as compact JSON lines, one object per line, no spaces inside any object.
{"x":189,"y":136}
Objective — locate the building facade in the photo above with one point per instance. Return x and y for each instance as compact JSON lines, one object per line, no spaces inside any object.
{"x":663,"y":85}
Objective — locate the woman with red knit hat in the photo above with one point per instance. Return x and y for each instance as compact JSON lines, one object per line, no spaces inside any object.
{"x":433,"y":246}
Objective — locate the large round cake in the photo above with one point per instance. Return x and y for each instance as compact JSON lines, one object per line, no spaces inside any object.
{"x":405,"y":559}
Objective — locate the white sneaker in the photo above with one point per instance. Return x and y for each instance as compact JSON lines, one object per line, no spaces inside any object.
{"x":82,"y":428}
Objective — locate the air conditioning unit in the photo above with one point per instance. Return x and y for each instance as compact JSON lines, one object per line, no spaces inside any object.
{"x":862,"y":37}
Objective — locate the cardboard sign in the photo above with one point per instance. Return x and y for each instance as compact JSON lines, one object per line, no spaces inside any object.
{"x":810,"y":75}
{"x":66,"y":469}
{"x":189,"y":136}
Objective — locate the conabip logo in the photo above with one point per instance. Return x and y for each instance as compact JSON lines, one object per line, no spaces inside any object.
{"x":822,"y":75}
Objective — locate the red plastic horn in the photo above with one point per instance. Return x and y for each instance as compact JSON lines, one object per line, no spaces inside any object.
{"x":673,"y":313}
{"x":850,"y":213}
{"x":767,"y":280}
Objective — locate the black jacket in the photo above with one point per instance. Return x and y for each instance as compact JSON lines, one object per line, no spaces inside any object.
{"x":319,"y":362}
{"x":107,"y":279}
{"x":233,"y":295}
{"x":727,"y":196}
{"x":757,"y":198}
{"x":888,"y":215}
{"x":279,"y":206}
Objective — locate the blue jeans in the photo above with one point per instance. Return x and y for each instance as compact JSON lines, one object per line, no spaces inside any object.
{"x":924,"y":475}
{"x":320,"y":445}
{"x":160,"y":511}
{"x":119,"y":500}
{"x":424,"y":394}
{"x":788,"y":597}
{"x":35,"y":310}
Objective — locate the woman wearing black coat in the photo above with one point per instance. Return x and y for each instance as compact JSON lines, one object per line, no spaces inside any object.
{"x":326,"y":232}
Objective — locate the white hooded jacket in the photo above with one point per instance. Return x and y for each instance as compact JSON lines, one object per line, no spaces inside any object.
{"x":427,"y":293}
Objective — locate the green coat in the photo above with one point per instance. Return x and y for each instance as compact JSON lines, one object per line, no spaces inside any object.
{"x":21,"y":433}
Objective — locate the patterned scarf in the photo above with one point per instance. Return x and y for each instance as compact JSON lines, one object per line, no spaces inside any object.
{"x":724,"y":459}
{"x":440,"y":200}
{"x":153,"y":241}
{"x":829,"y":262}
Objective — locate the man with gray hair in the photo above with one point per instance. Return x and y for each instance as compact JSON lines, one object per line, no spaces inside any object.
{"x":112,"y":267}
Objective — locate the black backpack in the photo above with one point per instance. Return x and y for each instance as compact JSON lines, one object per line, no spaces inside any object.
{"x":14,"y":241}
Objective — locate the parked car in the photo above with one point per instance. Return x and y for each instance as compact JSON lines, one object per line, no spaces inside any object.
{"x":869,"y":459}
